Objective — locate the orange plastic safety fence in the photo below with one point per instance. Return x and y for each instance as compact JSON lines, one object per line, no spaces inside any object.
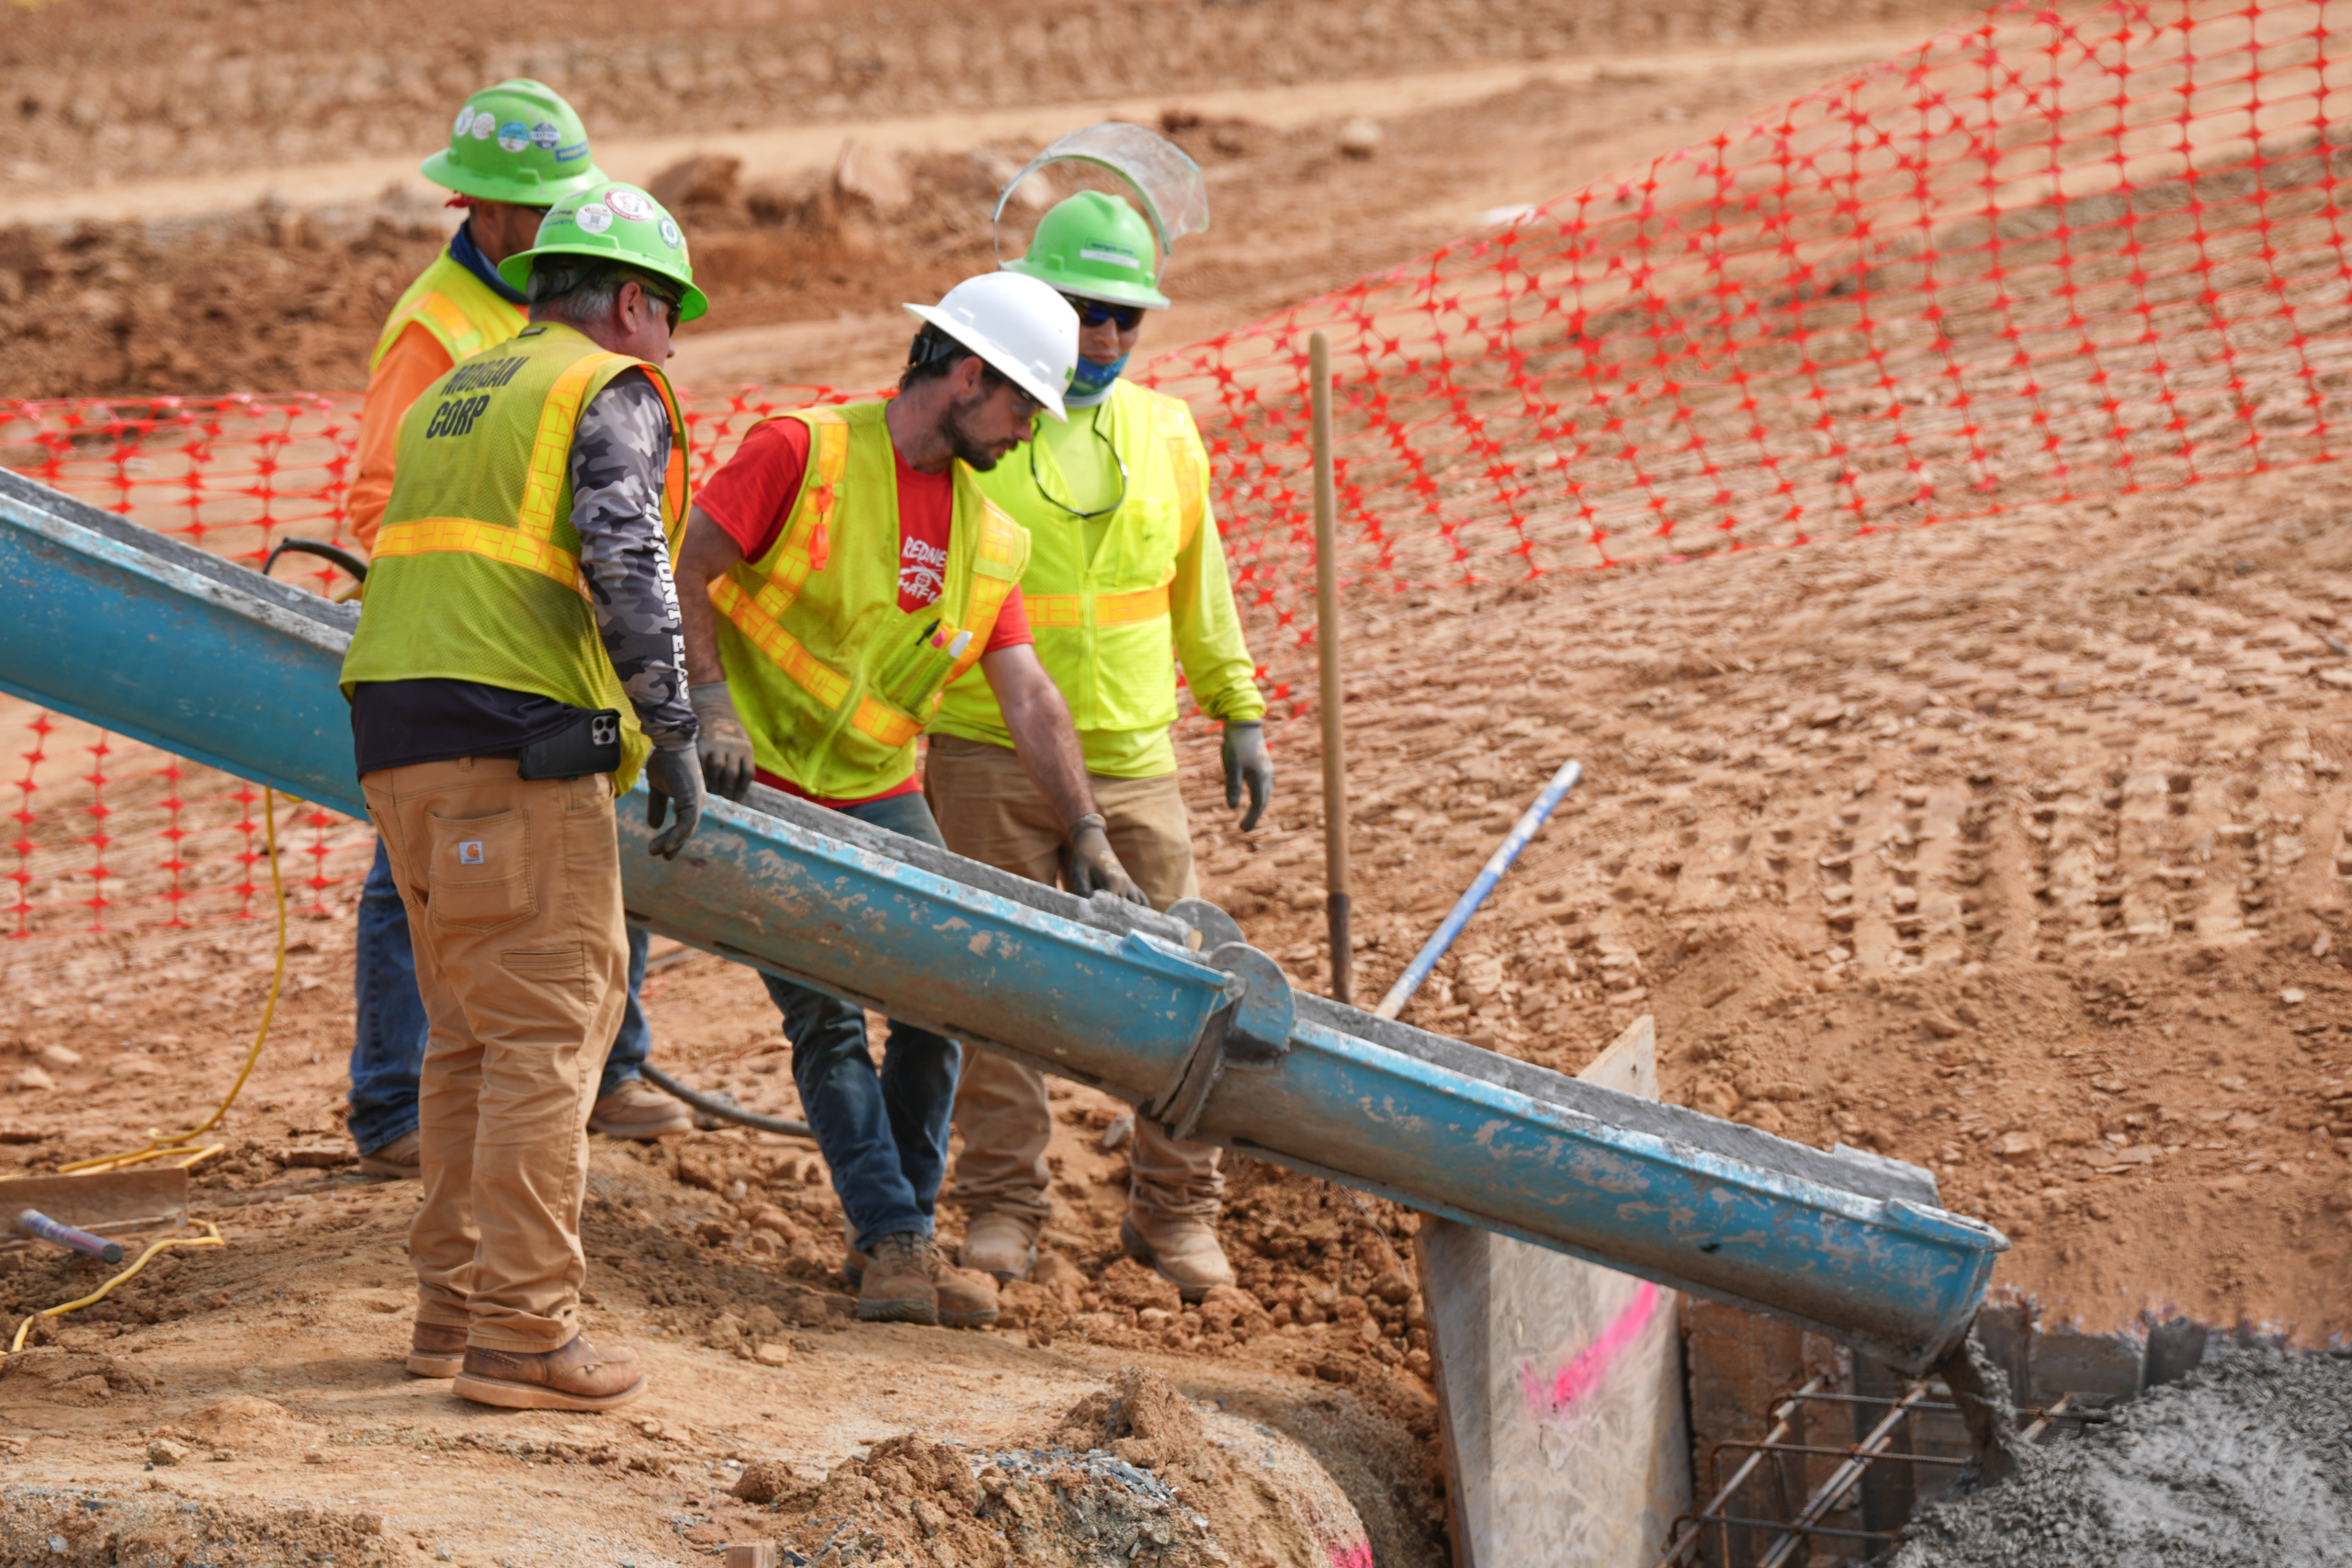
{"x":2045,"y":258}
{"x":2054,"y":255}
{"x":109,"y":833}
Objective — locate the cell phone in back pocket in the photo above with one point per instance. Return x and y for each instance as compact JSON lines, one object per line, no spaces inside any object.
{"x":591,"y":745}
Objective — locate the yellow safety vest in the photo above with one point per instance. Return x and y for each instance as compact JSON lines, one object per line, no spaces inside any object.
{"x":832,"y":680}
{"x":1104,"y":629}
{"x":476,"y":574}
{"x":464,"y":315}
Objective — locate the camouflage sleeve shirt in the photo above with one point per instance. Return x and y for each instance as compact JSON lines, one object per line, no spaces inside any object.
{"x":619,"y":453}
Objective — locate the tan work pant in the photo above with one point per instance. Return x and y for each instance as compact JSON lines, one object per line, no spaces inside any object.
{"x":514,"y":895}
{"x":989,"y":811}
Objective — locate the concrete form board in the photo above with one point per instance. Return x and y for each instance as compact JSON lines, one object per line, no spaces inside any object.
{"x":2175,"y":1349}
{"x":2096,"y":1369}
{"x":1560,"y":1385}
{"x":1740,"y":1366}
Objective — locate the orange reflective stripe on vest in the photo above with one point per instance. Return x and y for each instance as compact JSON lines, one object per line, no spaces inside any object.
{"x":464,"y":339}
{"x":828,"y":685}
{"x":529,"y":543}
{"x":431,"y":535}
{"x":759,"y":616}
{"x":1004,"y":547}
{"x":1110,"y":609}
{"x":811,"y":543}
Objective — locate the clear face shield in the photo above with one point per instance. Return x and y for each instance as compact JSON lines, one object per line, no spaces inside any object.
{"x":1165,"y":182}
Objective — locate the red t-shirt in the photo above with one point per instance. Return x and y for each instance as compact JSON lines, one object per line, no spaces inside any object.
{"x":752,"y":495}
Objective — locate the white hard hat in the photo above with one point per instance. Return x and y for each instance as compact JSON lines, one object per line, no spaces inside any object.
{"x":1022,"y":328}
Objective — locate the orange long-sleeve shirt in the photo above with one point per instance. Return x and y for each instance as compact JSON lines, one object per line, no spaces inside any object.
{"x":415,"y":362}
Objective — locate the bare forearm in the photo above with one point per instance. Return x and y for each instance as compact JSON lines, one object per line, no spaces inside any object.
{"x":694,"y":618}
{"x":706,"y":553}
{"x":1049,"y":751}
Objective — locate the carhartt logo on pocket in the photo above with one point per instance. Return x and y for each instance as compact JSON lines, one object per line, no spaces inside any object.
{"x":469,"y":852}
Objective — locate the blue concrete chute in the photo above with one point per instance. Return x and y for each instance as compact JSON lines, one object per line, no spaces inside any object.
{"x":1174,"y":1012}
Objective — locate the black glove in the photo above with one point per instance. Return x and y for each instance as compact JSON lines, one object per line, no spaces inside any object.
{"x":1246,"y":762}
{"x":672,"y":779}
{"x":1094,"y":868}
{"x":722,"y":744}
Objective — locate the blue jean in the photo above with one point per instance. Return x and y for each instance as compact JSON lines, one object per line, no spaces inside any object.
{"x":883,"y":1134}
{"x":388,"y":1047}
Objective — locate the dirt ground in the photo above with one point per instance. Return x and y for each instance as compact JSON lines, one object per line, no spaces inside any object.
{"x":1966,"y":844}
{"x":2020,"y":849}
{"x":807,"y":278}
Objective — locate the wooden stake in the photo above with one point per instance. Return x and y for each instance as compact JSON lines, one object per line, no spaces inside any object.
{"x":1326,"y":649}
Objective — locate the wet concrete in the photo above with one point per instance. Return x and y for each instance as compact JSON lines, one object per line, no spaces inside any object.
{"x":1981,"y":1390}
{"x":2245,"y":1462}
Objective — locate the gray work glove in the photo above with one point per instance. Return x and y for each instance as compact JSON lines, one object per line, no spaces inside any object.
{"x":672,"y":779}
{"x":1246,"y":762}
{"x":1094,"y":868}
{"x":722,"y":744}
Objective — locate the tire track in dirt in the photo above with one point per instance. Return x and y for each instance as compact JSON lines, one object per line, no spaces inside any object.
{"x":1999,"y":847}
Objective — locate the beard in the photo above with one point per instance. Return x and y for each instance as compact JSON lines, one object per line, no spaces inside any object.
{"x":960,"y":440}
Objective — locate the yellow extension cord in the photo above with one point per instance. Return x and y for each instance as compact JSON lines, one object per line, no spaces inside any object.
{"x":161,"y":1145}
{"x":211,"y":1238}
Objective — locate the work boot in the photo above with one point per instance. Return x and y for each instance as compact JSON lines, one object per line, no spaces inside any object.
{"x":1184,"y":1247}
{"x":437,"y":1350}
{"x":638,"y":1111}
{"x":402,"y":1160}
{"x":898,"y":1280}
{"x":852,"y":1261}
{"x":1001,"y":1244}
{"x":966,"y":1297}
{"x":578,"y":1377}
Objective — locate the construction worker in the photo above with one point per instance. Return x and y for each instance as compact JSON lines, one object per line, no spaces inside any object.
{"x":837,"y":574}
{"x":516,"y":149}
{"x":1124,"y":569}
{"x":517,"y":665}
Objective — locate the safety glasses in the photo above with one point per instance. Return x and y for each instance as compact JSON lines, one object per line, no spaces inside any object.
{"x":663,"y":299}
{"x":1094,"y":312}
{"x":1120,"y":463}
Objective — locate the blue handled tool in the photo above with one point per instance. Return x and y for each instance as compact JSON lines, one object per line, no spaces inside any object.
{"x":40,"y":1227}
{"x":1521,"y":831}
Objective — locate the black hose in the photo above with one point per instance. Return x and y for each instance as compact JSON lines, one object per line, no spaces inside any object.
{"x":300,"y":545}
{"x":725,"y":1110}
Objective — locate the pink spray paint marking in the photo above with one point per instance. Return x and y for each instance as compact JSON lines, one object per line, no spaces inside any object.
{"x":1576,"y":1380}
{"x":1356,"y":1556}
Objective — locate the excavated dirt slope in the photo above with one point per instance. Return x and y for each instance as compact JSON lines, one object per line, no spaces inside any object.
{"x":290,"y":295}
{"x":114,"y":91}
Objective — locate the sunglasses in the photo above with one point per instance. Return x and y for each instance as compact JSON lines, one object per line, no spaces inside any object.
{"x":1094,"y":312}
{"x":674,"y":306}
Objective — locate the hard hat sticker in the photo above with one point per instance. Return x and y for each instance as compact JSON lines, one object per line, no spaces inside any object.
{"x":669,"y":235}
{"x":573,"y":154}
{"x":469,"y":852}
{"x":465,"y":121}
{"x":543,"y":136}
{"x":628,"y":204}
{"x":513,"y":136}
{"x":485,"y":123}
{"x":594,"y":219}
{"x":1117,"y":258}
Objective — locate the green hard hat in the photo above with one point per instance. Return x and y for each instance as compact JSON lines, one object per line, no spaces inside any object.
{"x":1097,"y":247}
{"x":518,"y":142}
{"x":621,"y":223}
